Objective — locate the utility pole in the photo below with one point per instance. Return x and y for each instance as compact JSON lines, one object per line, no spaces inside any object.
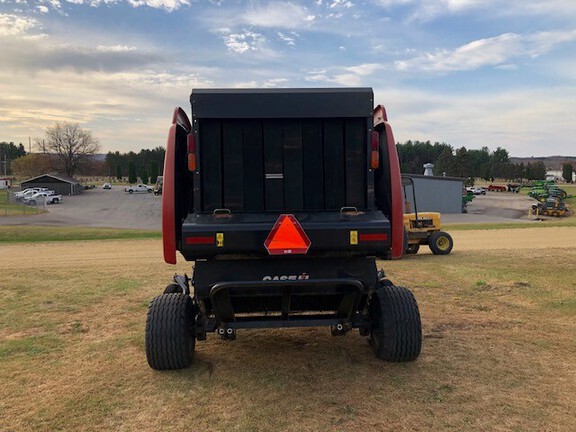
{"x":29,"y":145}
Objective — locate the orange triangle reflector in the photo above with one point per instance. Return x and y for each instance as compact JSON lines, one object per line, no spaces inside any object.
{"x":287,"y":237}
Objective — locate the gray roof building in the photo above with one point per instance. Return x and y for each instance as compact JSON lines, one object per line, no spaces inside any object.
{"x":60,"y":184}
{"x":436,"y":194}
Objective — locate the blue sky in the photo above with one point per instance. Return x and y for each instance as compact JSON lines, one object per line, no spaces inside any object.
{"x":474,"y":73}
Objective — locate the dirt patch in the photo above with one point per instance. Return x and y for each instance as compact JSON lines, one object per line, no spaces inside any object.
{"x":526,"y":238}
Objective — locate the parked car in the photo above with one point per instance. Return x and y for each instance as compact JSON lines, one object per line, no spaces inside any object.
{"x":19,"y":196}
{"x":106,"y":186}
{"x":29,"y":193}
{"x":43,"y":197}
{"x":138,"y":188}
{"x":479,"y":191}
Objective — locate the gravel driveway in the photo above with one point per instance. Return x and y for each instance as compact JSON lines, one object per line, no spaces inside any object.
{"x":117,"y":209}
{"x":112,"y":208}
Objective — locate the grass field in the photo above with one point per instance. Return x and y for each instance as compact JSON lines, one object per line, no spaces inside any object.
{"x":9,"y":209}
{"x":498,"y":352}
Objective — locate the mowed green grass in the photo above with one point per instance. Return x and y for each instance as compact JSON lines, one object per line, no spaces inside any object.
{"x":32,"y":234}
{"x":11,"y":209}
{"x":498,"y":350}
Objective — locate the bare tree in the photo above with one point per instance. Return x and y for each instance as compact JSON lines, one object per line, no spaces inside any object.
{"x":72,"y":145}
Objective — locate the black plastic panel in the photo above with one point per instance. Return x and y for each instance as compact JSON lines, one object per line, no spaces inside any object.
{"x":283,"y":165}
{"x":233,"y":164}
{"x":334,"y":169}
{"x":281,"y":103}
{"x":273,"y":165}
{"x":313,"y":164}
{"x":293,"y":174}
{"x":253,"y":166}
{"x":211,"y":165}
{"x":355,"y":135}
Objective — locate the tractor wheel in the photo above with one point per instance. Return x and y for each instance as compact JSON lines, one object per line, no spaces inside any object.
{"x":440,"y":243}
{"x":170,"y":338}
{"x":396,"y":330}
{"x":413,"y":248}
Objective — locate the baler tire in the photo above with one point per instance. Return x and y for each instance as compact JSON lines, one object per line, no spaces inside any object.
{"x":413,"y":249}
{"x":440,"y":243}
{"x":170,"y":336}
{"x":396,"y":329}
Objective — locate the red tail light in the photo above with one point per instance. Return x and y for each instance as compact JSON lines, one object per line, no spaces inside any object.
{"x":375,"y":156}
{"x":191,"y":153}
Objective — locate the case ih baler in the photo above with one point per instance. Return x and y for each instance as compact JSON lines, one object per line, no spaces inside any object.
{"x":284,"y":199}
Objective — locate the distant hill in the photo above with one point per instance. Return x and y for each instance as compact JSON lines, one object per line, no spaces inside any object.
{"x":551,"y":162}
{"x":99,"y":157}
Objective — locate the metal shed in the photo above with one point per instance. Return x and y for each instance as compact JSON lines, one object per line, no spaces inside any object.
{"x":437,"y":194}
{"x":60,"y":184}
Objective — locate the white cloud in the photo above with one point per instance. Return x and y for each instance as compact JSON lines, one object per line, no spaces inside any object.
{"x":365,"y":69}
{"x":336,"y":4}
{"x":115,"y":48}
{"x":243,"y":42}
{"x":42,"y":9}
{"x":285,"y":15}
{"x":488,"y":52}
{"x":289,"y":38}
{"x":511,"y":119}
{"x":169,"y":5}
{"x":13,"y":25}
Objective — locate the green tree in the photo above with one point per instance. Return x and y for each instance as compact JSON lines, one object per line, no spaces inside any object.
{"x":119,"y":172}
{"x":144,"y":176}
{"x":462,"y":163}
{"x":9,"y":152}
{"x":499,"y":161}
{"x":536,"y":171}
{"x":153,"y":171}
{"x":445,"y":163}
{"x":567,"y":171}
{"x":132,"y":172}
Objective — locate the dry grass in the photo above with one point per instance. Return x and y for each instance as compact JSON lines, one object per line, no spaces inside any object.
{"x":498,"y":353}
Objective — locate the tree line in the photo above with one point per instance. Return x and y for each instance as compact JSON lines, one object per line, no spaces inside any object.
{"x":465,"y":163}
{"x":70,"y":150}
{"x":145,"y":165}
{"x":9,"y":152}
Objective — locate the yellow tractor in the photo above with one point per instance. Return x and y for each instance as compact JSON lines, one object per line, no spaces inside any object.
{"x":423,"y":228}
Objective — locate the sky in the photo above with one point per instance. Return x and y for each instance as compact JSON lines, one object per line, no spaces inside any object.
{"x":473,"y":73}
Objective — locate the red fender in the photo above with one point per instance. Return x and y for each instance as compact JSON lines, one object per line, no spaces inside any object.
{"x":397,"y":216}
{"x":397,"y":197}
{"x":168,"y":204}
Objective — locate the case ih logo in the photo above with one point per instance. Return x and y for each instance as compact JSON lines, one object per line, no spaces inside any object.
{"x":303,"y":276}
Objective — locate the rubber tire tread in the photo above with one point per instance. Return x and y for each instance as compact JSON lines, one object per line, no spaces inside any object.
{"x":394,"y":314}
{"x":434,"y":238}
{"x":170,"y":339}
